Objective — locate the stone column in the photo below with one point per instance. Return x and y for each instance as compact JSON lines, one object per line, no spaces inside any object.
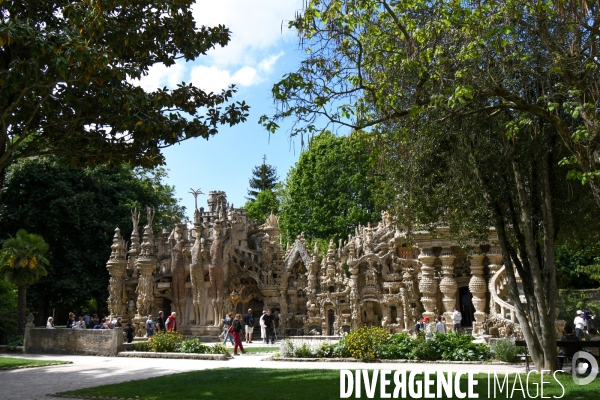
{"x":448,"y":284}
{"x":428,"y":286}
{"x":145,"y":265}
{"x":478,"y":289}
{"x":116,"y":266}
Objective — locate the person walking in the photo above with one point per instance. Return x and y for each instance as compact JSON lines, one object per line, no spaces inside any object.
{"x":269,"y":324}
{"x":50,"y":323}
{"x":149,"y":327}
{"x":227,"y":323}
{"x":160,"y":322}
{"x":579,"y":324}
{"x":249,"y":325}
{"x":171,"y":323}
{"x":263,"y":331}
{"x":237,"y":329}
{"x":456,"y":318}
{"x":440,"y":327}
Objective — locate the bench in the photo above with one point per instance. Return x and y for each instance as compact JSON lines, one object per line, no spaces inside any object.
{"x":577,"y":346}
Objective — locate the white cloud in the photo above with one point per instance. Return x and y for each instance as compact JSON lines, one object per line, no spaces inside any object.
{"x":160,"y":75}
{"x":215,"y":79}
{"x":256,"y":27}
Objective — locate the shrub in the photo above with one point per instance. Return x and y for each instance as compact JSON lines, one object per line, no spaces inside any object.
{"x":141,"y":346}
{"x":399,"y":346}
{"x":325,"y":350}
{"x":218,"y":348}
{"x":504,"y":350}
{"x":286,"y":348}
{"x":303,"y":351}
{"x":193,"y":346}
{"x":164,"y":342}
{"x":15,"y":341}
{"x":450,"y":347}
{"x":340,"y":349}
{"x":361,"y":343}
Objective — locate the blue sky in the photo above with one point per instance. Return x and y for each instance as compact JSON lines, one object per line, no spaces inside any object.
{"x":258,"y":55}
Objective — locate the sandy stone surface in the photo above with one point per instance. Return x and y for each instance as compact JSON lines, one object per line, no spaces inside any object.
{"x":88,"y":371}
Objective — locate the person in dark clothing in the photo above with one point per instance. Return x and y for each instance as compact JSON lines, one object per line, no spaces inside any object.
{"x":128,"y":332}
{"x":420,"y":325}
{"x":237,"y":329}
{"x":70,"y":320}
{"x":160,"y":322}
{"x":269,"y":324}
{"x":568,"y":351}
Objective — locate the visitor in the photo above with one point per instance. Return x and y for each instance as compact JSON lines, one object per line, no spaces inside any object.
{"x":50,"y":323}
{"x":237,"y":329}
{"x":109,"y":323}
{"x":588,"y":317}
{"x":78,"y":324}
{"x":249,"y":325}
{"x":419,"y":326}
{"x":87,"y":320}
{"x":95,"y":320}
{"x":160,"y":323}
{"x":128,"y":332}
{"x":440,"y":327}
{"x":428,"y":329}
{"x":118,"y":323}
{"x":104,"y":324}
{"x":456,"y":318}
{"x":269,"y":324}
{"x":227,"y":322}
{"x":149,"y":327}
{"x":568,"y":351}
{"x":70,"y":320}
{"x":171,"y":323}
{"x":263,"y":331}
{"x":579,"y":324}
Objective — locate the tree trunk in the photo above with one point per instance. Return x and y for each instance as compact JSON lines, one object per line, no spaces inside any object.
{"x":21,"y":308}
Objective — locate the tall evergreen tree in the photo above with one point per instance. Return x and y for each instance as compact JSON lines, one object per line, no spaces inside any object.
{"x":264,"y":177}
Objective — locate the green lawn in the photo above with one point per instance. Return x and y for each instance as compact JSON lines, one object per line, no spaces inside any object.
{"x":289,"y":384}
{"x":11,"y":362}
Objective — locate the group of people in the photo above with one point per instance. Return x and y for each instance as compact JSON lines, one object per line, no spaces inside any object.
{"x":431,"y":330}
{"x":233,"y":325}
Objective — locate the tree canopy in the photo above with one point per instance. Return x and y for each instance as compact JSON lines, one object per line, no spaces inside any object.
{"x":374,"y":61}
{"x":77,"y":210}
{"x":264,"y":177}
{"x":328,"y":193}
{"x":66,"y":71}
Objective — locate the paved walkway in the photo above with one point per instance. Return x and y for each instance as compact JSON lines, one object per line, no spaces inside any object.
{"x":88,"y":371}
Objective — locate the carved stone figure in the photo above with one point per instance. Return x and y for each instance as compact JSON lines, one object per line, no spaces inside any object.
{"x":215,"y":272}
{"x":178,"y":277}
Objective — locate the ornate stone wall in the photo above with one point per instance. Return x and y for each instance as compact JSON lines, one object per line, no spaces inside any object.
{"x":223,"y":262}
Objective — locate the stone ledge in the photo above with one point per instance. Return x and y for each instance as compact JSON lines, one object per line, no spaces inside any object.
{"x":388,"y":361}
{"x":192,"y":356}
{"x":11,"y":349}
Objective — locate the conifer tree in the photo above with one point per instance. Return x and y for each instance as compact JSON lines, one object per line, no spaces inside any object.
{"x":264,"y":177}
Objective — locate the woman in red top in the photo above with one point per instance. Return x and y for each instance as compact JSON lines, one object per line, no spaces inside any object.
{"x":172,"y":322}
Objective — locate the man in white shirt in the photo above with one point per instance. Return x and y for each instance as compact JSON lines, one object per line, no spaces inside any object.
{"x":456,"y":318}
{"x":579,"y":324}
{"x":263,"y":330}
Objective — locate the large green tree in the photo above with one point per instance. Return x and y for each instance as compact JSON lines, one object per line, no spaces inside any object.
{"x":77,"y":210}
{"x":66,"y":69}
{"x":375,"y":61}
{"x":328,"y":193}
{"x":22,"y":262}
{"x":520,"y":76}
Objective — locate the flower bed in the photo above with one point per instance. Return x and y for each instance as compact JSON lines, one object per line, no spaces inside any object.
{"x":371,"y":343}
{"x":173,"y":342}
